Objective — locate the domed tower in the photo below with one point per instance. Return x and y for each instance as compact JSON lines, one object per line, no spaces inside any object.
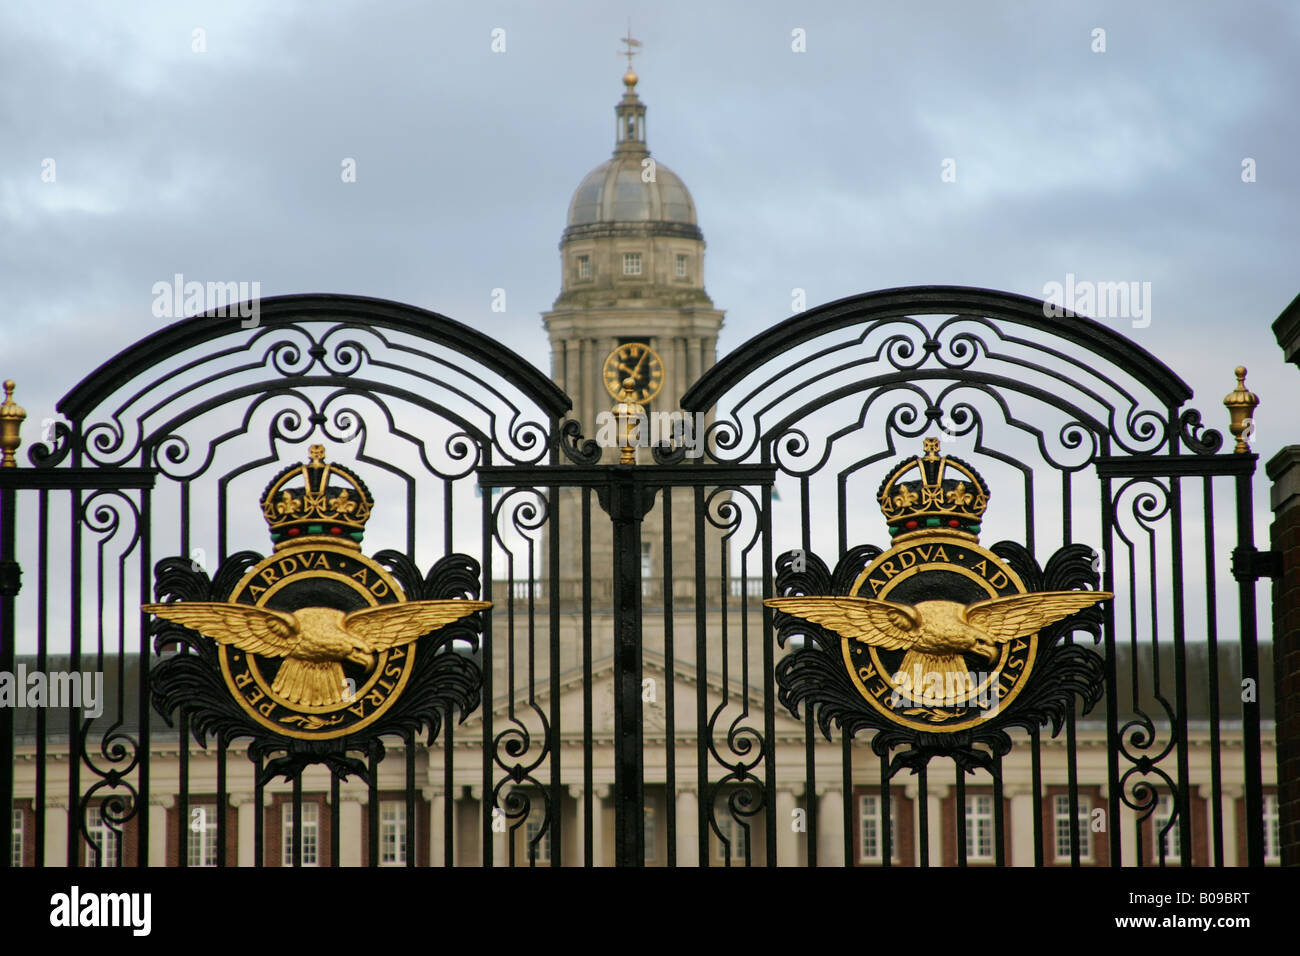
{"x":632,"y":258}
{"x":632,"y":271}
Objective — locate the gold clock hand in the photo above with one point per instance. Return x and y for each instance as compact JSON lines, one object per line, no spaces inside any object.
{"x":636,"y":372}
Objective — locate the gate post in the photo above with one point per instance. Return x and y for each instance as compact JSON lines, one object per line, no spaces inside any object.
{"x":1284,"y":472}
{"x":11,"y":418}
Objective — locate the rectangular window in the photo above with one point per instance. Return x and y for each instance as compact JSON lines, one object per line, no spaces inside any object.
{"x":1165,"y":810}
{"x":106,"y":838}
{"x":392,"y":833}
{"x":871,"y":846}
{"x":16,"y":851}
{"x":979,"y":828}
{"x":201,"y":838}
{"x":736,"y":835}
{"x":310,"y":834}
{"x":681,"y":266}
{"x":1272,"y":844}
{"x":584,"y":267}
{"x":631,"y":263}
{"x":1061,"y":818}
{"x":543,"y":845}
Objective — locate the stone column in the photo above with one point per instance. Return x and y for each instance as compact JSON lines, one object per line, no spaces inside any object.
{"x":159,"y":804}
{"x":1284,"y":471}
{"x":1021,"y":826}
{"x":437,"y":835}
{"x":788,"y":839}
{"x":934,"y":807}
{"x":245,"y":834}
{"x":1231,"y":838}
{"x":830,"y":826}
{"x":688,"y":827}
{"x":351,"y":822}
{"x":693,"y":359}
{"x":56,"y":832}
{"x":600,"y":793}
{"x":678,"y":371}
{"x":586,"y":374}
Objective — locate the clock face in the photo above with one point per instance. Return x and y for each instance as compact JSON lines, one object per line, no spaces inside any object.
{"x":637,"y":361}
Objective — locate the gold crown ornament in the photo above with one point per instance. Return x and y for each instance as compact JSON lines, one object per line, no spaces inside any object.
{"x":316,"y":509}
{"x":932,"y":493}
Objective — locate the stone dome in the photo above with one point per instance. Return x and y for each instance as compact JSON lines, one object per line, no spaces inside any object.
{"x":614,"y":192}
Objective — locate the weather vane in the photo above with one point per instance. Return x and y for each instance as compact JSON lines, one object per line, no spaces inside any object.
{"x":631,"y":45}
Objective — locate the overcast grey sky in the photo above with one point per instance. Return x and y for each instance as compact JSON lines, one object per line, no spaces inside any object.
{"x":819,"y":170}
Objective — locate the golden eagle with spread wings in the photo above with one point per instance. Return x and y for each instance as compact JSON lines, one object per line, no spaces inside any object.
{"x":936,"y":634}
{"x":314,"y":641}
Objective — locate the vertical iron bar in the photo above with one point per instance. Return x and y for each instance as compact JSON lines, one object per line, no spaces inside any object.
{"x":1212,"y":647}
{"x":1036,"y":782}
{"x":701,"y":683}
{"x":222,"y":822}
{"x":923,"y":811}
{"x":1184,"y":794}
{"x":334,"y":819}
{"x":143,"y":709}
{"x":1072,"y":773}
{"x":886,"y":814}
{"x":372,"y":815}
{"x":629,"y":786}
{"x":74,"y":720}
{"x":8,"y":643}
{"x":42,"y":636}
{"x":769,"y":678}
{"x":553,"y":746}
{"x":411,"y":834}
{"x":1250,"y":668}
{"x":959,"y":812}
{"x":486,"y":823}
{"x":847,"y":790}
{"x":810,"y":782}
{"x":670,"y":698}
{"x":183,"y":807}
{"x":259,"y":815}
{"x":999,"y":816}
{"x":588,"y":797}
{"x":297,"y":821}
{"x":1111,"y":678}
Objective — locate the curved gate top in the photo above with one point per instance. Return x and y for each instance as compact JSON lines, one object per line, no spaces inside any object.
{"x":628,"y":660}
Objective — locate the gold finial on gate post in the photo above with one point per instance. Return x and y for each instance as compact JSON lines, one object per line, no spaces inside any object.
{"x":11,"y":423}
{"x":1241,"y":405}
{"x":629,"y":413}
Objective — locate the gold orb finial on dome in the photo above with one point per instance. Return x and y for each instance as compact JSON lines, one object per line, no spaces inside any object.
{"x":630,"y":77}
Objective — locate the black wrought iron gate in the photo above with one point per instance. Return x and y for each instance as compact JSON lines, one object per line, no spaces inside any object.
{"x":628,"y":663}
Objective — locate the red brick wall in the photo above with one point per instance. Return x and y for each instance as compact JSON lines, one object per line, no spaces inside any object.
{"x":1285,"y":535}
